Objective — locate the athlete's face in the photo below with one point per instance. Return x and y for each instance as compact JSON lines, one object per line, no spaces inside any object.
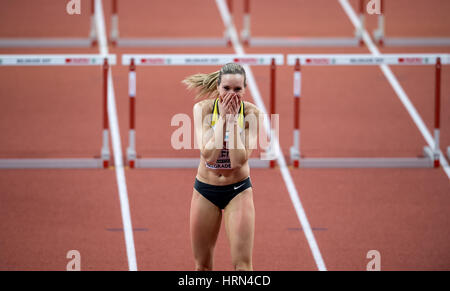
{"x":232,"y":83}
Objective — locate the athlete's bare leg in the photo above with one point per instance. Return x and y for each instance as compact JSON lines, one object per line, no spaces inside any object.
{"x":239,"y":218}
{"x":205,"y":219}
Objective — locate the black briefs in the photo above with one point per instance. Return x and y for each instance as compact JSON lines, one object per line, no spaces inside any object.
{"x":221,"y":195}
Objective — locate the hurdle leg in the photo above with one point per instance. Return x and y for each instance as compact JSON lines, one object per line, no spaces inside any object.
{"x":105,"y":152}
{"x":295,"y":149}
{"x":93,"y":32}
{"x":229,"y":24}
{"x":273,"y":135}
{"x":359,"y":30}
{"x":114,"y":23}
{"x":378,"y":34}
{"x":245,"y":33}
{"x":434,"y":153}
{"x":437,"y":114}
{"x":131,"y":150}
{"x":270,"y":152}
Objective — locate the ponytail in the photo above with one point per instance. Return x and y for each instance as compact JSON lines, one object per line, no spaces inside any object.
{"x":206,"y":84}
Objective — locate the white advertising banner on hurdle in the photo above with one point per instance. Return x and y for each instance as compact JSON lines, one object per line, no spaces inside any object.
{"x":368,"y":60}
{"x":56,"y":60}
{"x":202,"y":60}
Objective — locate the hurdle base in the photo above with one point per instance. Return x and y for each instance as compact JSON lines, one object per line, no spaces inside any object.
{"x":131,"y":157}
{"x":186,"y":163}
{"x":424,"y":162}
{"x":416,"y":41}
{"x":45,"y":42}
{"x":295,"y":156}
{"x":171,"y":42}
{"x":304,"y":42}
{"x":51,"y":163}
{"x":432,"y":155}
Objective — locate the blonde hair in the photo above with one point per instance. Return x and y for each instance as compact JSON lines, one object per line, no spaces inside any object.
{"x":207,"y":84}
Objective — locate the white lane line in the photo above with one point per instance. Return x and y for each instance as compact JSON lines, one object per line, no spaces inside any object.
{"x":226,"y":18}
{"x":395,"y":85}
{"x":116,"y":143}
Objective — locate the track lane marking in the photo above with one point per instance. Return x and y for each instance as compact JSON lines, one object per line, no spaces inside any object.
{"x":116,"y":143}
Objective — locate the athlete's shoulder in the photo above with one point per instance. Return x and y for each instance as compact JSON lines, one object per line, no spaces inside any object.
{"x":250,"y":108}
{"x":204,"y":105}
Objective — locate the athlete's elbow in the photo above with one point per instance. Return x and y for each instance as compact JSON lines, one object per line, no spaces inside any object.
{"x":208,"y":157}
{"x":235,"y":166}
{"x":210,"y":161}
{"x":238,"y":164}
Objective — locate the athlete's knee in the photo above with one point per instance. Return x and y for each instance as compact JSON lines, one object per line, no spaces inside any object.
{"x":204,"y":262}
{"x":201,"y":266}
{"x":243,"y":265}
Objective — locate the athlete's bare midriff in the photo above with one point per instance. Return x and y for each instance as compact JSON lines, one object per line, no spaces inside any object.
{"x":222,"y":177}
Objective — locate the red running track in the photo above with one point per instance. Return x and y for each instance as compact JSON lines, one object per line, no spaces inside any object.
{"x":402,"y":213}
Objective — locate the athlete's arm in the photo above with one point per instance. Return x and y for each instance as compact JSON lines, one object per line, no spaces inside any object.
{"x":209,"y":141}
{"x":245,"y":142}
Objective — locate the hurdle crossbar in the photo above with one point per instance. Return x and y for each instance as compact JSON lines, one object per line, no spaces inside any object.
{"x":135,"y":60}
{"x":380,"y":36}
{"x":431,"y":155}
{"x":56,"y":60}
{"x":119,"y":41}
{"x":201,"y":59}
{"x":55,"y":42}
{"x":297,"y":41}
{"x":105,"y":61}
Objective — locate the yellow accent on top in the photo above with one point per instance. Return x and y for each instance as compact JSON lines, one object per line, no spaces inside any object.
{"x":215,"y":116}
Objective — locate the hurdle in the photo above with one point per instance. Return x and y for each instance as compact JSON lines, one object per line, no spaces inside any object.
{"x":381,"y":38}
{"x":135,"y":60}
{"x":430,"y":155}
{"x":249,"y":40}
{"x":60,"y":42}
{"x":118,"y":41}
{"x":65,"y":60}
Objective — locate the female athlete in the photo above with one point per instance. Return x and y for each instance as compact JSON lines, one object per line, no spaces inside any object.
{"x":223,"y":176}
